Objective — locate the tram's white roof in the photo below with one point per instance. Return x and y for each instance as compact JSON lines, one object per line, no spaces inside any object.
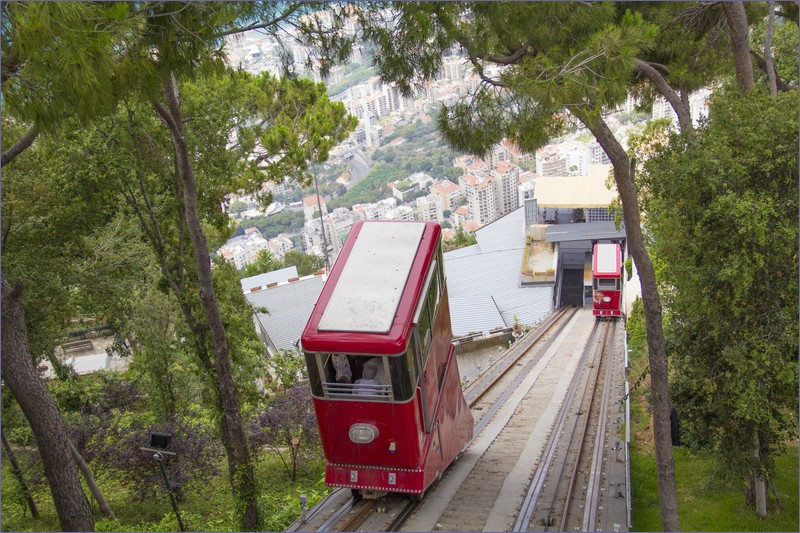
{"x":368,"y":292}
{"x":607,"y":260}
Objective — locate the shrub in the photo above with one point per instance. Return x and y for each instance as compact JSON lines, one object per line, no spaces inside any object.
{"x":115,"y":448}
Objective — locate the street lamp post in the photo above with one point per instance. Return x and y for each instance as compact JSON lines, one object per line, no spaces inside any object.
{"x":159,"y":442}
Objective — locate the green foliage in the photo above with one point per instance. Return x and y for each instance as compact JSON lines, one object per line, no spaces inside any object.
{"x":723,"y":215}
{"x":265,"y":262}
{"x":461,"y":240}
{"x":354,"y":74}
{"x":245,"y":348}
{"x":784,"y":45}
{"x":287,"y":367}
{"x":273,"y":225}
{"x":306,"y":264}
{"x":372,"y":188}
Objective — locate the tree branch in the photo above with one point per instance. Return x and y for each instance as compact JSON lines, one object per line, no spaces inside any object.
{"x":664,"y":88}
{"x":262,"y":25}
{"x":20,"y":146}
{"x":781,"y":85}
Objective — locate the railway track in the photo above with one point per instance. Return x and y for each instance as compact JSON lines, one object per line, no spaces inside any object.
{"x":539,"y":412}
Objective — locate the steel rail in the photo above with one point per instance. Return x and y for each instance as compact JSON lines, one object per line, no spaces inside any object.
{"x":521,"y":347}
{"x":593,"y":486}
{"x":580,"y":436}
{"x":326,"y":526}
{"x":537,"y":482}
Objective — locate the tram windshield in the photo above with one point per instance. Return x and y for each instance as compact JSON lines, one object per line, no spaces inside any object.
{"x":608,"y":284}
{"x":362,"y":377}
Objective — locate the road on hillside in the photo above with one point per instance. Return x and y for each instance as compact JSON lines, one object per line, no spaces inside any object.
{"x":359,"y":166}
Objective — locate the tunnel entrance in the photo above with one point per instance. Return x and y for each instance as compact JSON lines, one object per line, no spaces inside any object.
{"x":572,"y":287}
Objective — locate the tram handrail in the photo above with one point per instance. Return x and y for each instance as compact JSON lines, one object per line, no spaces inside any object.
{"x":349,"y":391}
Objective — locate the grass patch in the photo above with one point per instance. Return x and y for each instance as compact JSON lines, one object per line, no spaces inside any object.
{"x":206,"y":507}
{"x":706,"y":502}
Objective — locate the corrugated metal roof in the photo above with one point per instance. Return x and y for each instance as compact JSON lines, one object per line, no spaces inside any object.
{"x":478,"y":314}
{"x":472,"y":279}
{"x":489,"y":272}
{"x":290,"y":305}
{"x":505,"y":233}
{"x":262,"y":280}
{"x":461,"y":252}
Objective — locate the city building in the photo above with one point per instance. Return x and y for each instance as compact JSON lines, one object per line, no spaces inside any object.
{"x":312,"y":204}
{"x":448,"y":192}
{"x":505,"y":176}
{"x":481,"y":200}
{"x":429,"y":208}
{"x":244,"y":249}
{"x":550,"y":162}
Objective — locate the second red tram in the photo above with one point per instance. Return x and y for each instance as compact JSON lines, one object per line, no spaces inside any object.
{"x":382,"y":368}
{"x":606,"y":280}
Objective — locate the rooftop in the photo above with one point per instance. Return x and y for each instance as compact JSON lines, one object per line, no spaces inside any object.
{"x":289,"y":304}
{"x":481,"y":303}
{"x":263,"y":280}
{"x":576,"y":191}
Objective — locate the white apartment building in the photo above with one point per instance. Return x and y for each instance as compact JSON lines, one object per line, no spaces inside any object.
{"x":402,"y":212}
{"x":514,"y":153}
{"x":429,"y":208}
{"x":280,"y":245}
{"x":550,"y":162}
{"x":448,"y":192}
{"x":460,"y":215}
{"x":312,"y":204}
{"x":578,"y":156}
{"x":454,"y":68}
{"x":482,"y":202}
{"x":244,"y":249}
{"x":505,"y":176}
{"x":526,"y":187}
{"x":599,"y":156}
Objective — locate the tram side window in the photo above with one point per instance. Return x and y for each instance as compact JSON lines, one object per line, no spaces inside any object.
{"x":313,"y":374}
{"x":404,"y":378}
{"x":428,"y":313}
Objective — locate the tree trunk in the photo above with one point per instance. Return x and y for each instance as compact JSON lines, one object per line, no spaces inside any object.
{"x":233,"y":436}
{"x":18,"y":474}
{"x":759,"y":484}
{"x":738,"y":30}
{"x":773,"y":81}
{"x":623,"y":175}
{"x":90,"y":482}
{"x":19,"y":373}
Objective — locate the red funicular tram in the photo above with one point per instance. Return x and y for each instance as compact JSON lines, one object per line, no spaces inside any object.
{"x":606,"y":280}
{"x":383,"y":372}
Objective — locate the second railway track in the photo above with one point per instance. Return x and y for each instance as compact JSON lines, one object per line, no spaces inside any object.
{"x":517,"y":405}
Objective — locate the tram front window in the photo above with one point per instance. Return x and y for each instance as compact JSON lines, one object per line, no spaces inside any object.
{"x":362,"y":377}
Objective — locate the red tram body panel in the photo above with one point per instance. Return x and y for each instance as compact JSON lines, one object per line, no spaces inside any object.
{"x":382,"y":368}
{"x":606,"y":280}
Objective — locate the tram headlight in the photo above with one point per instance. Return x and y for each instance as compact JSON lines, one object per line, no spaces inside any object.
{"x":363,"y":433}
{"x":606,"y":299}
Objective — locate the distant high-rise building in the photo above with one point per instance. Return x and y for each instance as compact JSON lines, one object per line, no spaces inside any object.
{"x":481,"y":201}
{"x":505,"y":176}
{"x":429,"y":208}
